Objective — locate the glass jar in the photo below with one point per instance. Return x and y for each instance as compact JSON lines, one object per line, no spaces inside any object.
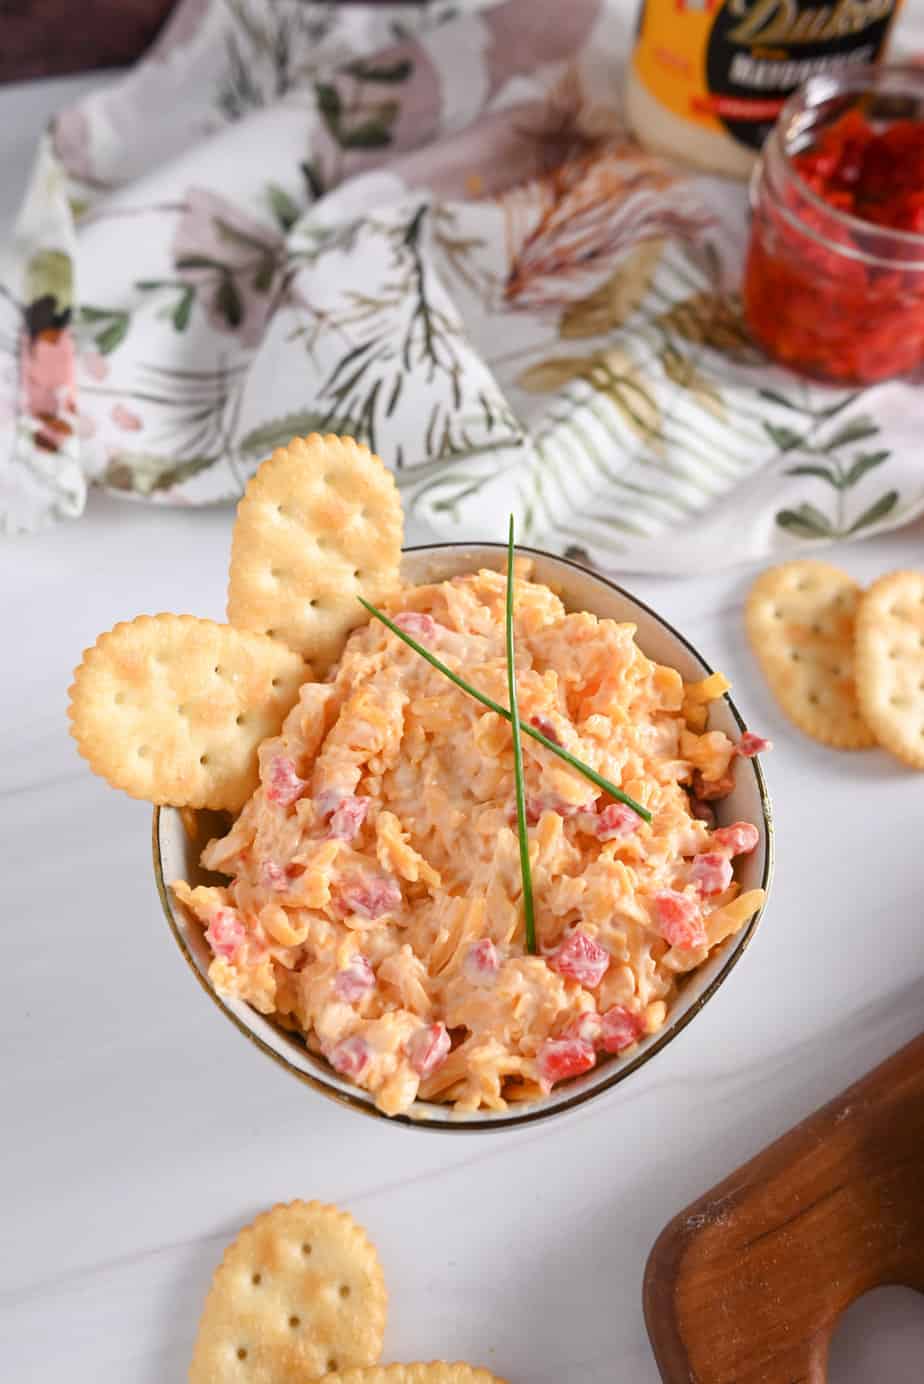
{"x":827,"y":293}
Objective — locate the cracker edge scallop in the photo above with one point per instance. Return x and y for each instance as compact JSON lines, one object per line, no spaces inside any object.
{"x":418,"y":1372}
{"x":869,"y":621}
{"x":817,"y":727}
{"x":86,"y":742}
{"x":241,"y":599}
{"x":378,"y":1305}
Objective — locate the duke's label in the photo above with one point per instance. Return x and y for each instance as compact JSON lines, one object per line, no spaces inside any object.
{"x":727,"y":66}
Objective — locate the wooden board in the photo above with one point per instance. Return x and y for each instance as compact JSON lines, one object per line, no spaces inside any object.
{"x":746,"y":1285}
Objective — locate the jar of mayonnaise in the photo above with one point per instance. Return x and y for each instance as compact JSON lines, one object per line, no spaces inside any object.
{"x":709,"y":77}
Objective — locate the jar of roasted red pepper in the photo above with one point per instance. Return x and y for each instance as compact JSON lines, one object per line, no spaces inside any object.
{"x":834,"y":280}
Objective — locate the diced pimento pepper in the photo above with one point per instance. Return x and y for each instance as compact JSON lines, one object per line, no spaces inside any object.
{"x":678,"y":918}
{"x":750,"y":744}
{"x":354,"y":980}
{"x":349,"y":1057}
{"x":616,"y":820}
{"x":284,"y":787}
{"x":707,"y":790}
{"x":347,"y":818}
{"x":711,"y":872}
{"x":428,"y":1049}
{"x":417,"y":624}
{"x":225,"y":933}
{"x":582,"y":959}
{"x":740,"y":838}
{"x":481,"y":961}
{"x":621,"y":1028}
{"x":586,"y":1028}
{"x":369,"y":895}
{"x":561,"y":1058}
{"x":273,"y":876}
{"x":327,"y":802}
{"x":546,"y":727}
{"x":702,"y":811}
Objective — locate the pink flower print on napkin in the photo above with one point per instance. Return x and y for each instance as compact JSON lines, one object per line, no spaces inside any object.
{"x":372,"y":109}
{"x":70,"y":139}
{"x":95,"y":365}
{"x":526,"y":38}
{"x":231,"y":260}
{"x":507,"y":147}
{"x":125,"y":419}
{"x":47,"y":384}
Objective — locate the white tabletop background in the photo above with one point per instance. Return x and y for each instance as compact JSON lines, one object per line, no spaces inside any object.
{"x":138,"y":1131}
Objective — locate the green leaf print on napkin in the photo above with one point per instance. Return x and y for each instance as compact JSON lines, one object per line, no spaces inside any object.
{"x":285,"y":208}
{"x":785,"y":438}
{"x":179,"y":311}
{"x":50,"y":274}
{"x":329,"y":106}
{"x":387,"y":73}
{"x":277,"y":432}
{"x":806,"y":522}
{"x":108,"y":327}
{"x":142,"y":473}
{"x":232,"y":262}
{"x":883,"y":506}
{"x":856,"y":430}
{"x":835,"y":471}
{"x":405,"y":339}
{"x":358,"y":118}
{"x":228,"y":300}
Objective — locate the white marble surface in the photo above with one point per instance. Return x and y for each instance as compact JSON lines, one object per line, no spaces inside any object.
{"x":138,"y":1131}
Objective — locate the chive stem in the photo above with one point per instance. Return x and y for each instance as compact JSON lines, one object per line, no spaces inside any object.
{"x":525,"y":870}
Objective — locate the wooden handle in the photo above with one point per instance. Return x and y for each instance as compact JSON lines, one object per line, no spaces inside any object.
{"x":745,"y":1286}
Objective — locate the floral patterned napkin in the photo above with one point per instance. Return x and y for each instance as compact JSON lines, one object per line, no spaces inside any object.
{"x":428,"y":229}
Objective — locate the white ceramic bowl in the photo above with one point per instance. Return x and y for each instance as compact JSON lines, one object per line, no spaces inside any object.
{"x":176,"y":856}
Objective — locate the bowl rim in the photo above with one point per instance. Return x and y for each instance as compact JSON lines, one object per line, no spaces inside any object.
{"x":532,"y":1112}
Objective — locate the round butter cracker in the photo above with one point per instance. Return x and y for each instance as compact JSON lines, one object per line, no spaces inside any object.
{"x":437,"y":1372}
{"x":300,"y":1293}
{"x":320,"y":524}
{"x":171,"y":708}
{"x":800,"y":623}
{"x":890,"y":663}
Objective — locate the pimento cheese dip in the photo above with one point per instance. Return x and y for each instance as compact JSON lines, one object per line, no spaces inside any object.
{"x":374,"y":888}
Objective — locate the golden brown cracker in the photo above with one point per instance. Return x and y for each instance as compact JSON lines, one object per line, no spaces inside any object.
{"x":320,"y":524}
{"x":890,"y":663}
{"x":298,"y":1294}
{"x":172,"y":708}
{"x":800,"y":622}
{"x":437,"y":1372}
